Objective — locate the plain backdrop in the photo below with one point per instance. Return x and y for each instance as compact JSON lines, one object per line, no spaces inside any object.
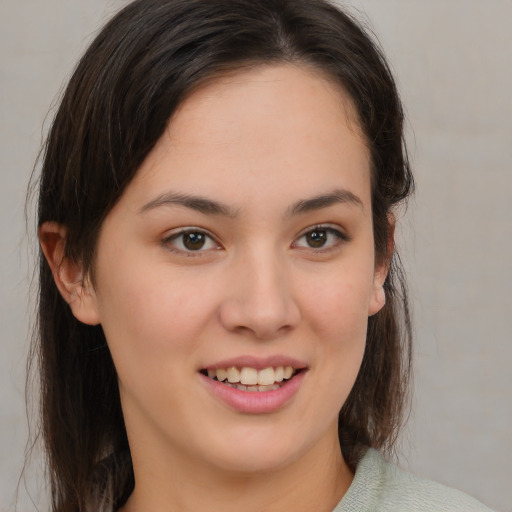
{"x":453,"y":63}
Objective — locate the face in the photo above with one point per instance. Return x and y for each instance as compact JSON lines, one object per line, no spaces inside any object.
{"x":235,"y":277}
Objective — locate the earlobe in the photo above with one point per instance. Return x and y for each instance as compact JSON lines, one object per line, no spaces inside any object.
{"x":378,"y":298}
{"x":74,"y":287}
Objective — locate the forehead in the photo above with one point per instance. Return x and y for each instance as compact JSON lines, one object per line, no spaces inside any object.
{"x":263,"y":95}
{"x":263,"y":129}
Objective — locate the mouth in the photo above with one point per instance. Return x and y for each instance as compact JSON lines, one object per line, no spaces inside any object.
{"x":251,"y":379}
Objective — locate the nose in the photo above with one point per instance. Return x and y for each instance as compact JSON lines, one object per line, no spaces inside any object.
{"x":259,"y":300}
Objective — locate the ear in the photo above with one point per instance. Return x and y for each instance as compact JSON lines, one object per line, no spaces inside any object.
{"x":378,"y":295}
{"x":74,"y":287}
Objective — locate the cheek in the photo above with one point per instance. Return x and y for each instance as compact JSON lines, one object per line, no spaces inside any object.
{"x":337,"y":303}
{"x":337,"y":321}
{"x":147,"y":315}
{"x":337,"y":308}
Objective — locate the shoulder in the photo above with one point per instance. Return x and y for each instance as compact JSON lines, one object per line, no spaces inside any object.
{"x":380,"y":486}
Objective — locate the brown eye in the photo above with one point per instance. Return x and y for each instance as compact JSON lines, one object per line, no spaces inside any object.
{"x":194,"y":241}
{"x":316,"y":238}
{"x":190,"y":241}
{"x":321,"y":238}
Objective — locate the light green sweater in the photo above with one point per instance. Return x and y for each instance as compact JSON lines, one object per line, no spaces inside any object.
{"x":378,"y":486}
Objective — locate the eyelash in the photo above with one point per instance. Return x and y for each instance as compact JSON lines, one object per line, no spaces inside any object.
{"x":168,"y":241}
{"x":340,"y":238}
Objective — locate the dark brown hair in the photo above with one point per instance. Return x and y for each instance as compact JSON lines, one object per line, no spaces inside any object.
{"x":136,"y":72}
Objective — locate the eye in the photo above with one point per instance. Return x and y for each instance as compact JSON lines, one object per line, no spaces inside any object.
{"x":190,"y":240}
{"x":321,"y":237}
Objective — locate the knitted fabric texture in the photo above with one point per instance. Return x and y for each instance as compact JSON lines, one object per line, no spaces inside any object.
{"x":378,"y":486}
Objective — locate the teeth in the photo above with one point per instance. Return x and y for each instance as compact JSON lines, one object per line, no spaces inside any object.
{"x":250,"y":379}
{"x":266,"y":377}
{"x":265,"y":388}
{"x":249,"y":376}
{"x":233,"y":375}
{"x":288,"y":372}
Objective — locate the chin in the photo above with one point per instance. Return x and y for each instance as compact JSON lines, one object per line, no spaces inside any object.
{"x":259,"y":450}
{"x":251,"y":462}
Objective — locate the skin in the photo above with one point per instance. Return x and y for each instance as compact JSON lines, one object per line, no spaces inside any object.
{"x":259,"y":142}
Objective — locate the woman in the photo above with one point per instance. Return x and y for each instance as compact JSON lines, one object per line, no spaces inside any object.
{"x":223,"y":323}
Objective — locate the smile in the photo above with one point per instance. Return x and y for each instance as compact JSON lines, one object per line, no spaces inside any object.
{"x":251,"y":379}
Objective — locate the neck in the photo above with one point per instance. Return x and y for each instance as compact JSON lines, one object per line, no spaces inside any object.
{"x":315,"y":481}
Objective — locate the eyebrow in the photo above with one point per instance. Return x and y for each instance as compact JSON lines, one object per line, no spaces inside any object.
{"x":337,"y":196}
{"x":198,"y":203}
{"x":211,"y":207}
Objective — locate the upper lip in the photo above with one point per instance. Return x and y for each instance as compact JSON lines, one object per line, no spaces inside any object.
{"x":259,"y":363}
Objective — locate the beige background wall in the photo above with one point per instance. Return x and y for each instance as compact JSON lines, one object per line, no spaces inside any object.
{"x":453,"y":60}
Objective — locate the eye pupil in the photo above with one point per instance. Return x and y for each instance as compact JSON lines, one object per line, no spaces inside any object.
{"x":194,"y":241}
{"x":316,"y":238}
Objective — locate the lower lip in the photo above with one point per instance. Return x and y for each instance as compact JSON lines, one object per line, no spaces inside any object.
{"x":255,"y":402}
